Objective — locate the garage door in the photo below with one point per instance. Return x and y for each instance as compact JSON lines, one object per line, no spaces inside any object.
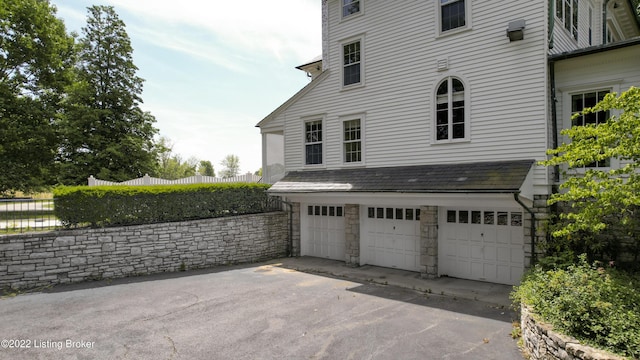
{"x":391,"y":237}
{"x":486,"y":245}
{"x":322,"y":231}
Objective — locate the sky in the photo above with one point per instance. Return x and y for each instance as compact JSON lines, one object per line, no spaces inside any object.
{"x":214,"y":68}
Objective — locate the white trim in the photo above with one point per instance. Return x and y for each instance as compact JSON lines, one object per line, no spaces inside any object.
{"x":489,"y":200}
{"x":567,"y":114}
{"x":351,"y":16}
{"x":467,"y":111}
{"x":343,"y":119}
{"x":343,"y":43}
{"x":468,"y":20}
{"x":303,"y":123}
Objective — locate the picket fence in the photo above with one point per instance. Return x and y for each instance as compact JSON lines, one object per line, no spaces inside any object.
{"x":197,"y":179}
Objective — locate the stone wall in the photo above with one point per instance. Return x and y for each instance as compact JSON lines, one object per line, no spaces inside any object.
{"x":42,"y":259}
{"x":541,"y":342}
{"x":429,"y":241}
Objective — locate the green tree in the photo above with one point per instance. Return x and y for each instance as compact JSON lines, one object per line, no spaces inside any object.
{"x":206,"y":168}
{"x":170,"y":166}
{"x":231,"y":164}
{"x":106,"y":134}
{"x":596,"y":198}
{"x":35,"y":53}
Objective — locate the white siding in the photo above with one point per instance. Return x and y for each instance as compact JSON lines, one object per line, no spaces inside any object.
{"x":615,"y":69}
{"x":506,"y":81}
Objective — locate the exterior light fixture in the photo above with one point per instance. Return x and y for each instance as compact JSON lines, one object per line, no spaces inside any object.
{"x":516,"y":30}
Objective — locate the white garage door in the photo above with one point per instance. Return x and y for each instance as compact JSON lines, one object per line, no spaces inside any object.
{"x":391,"y":237}
{"x":322,"y":231}
{"x":486,"y":245}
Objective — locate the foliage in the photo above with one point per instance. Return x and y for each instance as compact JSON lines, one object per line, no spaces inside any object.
{"x":231,"y":165}
{"x":35,"y":53}
{"x":170,"y":166}
{"x":206,"y":168}
{"x":598,"y":306}
{"x":127,"y":205}
{"x":105,"y":132}
{"x":597,"y":198}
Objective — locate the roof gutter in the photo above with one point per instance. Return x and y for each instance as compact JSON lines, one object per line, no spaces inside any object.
{"x":516,"y":197}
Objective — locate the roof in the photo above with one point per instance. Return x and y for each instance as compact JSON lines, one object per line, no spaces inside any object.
{"x":595,"y":49}
{"x":316,"y":59}
{"x":275,"y":113}
{"x":484,"y":177}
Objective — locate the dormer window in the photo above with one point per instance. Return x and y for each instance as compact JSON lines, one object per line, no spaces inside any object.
{"x":350,"y":7}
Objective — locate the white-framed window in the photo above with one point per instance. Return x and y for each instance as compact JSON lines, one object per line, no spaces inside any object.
{"x":451,"y":123}
{"x":313,"y":142}
{"x":453,"y":15}
{"x":352,"y":140}
{"x":587,"y":99}
{"x":350,"y":7}
{"x":352,"y":63}
{"x":567,"y":14}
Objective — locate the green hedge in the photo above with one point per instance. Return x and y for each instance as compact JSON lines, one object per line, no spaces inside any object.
{"x":598,"y":306}
{"x":130,"y":205}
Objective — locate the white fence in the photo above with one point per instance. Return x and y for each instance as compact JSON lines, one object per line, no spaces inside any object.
{"x":197,"y":179}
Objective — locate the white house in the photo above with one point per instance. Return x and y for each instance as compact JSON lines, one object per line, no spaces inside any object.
{"x":415,"y":145}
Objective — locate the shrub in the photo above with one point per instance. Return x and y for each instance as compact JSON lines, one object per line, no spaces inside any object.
{"x":598,"y":306}
{"x":129,"y":205}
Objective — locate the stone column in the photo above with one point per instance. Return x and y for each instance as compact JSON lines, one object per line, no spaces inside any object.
{"x":429,"y":241}
{"x":295,"y":227}
{"x":542,"y":212}
{"x":352,"y":234}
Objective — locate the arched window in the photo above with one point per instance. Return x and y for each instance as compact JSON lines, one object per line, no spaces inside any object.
{"x":450,"y":111}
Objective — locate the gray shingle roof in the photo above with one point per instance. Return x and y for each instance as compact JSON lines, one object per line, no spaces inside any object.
{"x":493,"y":177}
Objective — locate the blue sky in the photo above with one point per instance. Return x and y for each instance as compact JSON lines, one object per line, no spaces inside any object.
{"x":214,"y":68}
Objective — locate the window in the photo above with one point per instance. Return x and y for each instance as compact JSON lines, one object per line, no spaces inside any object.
{"x":567,"y":14}
{"x":450,"y":110}
{"x":452,"y":14}
{"x":352,"y":141}
{"x":350,"y":7}
{"x":313,"y":142}
{"x":585,"y":100}
{"x":351,"y":63}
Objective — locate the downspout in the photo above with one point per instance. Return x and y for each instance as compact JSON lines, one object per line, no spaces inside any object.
{"x":516,"y":197}
{"x":552,"y":22}
{"x":290,"y":239}
{"x":604,"y":22}
{"x":554,"y":117}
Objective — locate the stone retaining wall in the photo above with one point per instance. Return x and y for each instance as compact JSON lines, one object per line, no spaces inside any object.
{"x":58,"y":257}
{"x":541,"y":342}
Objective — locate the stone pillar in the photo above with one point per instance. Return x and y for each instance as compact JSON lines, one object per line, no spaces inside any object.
{"x":429,"y":241}
{"x":352,"y":234}
{"x":542,"y":212}
{"x":295,"y":229}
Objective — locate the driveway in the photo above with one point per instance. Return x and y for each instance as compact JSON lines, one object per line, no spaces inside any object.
{"x":263,"y":311}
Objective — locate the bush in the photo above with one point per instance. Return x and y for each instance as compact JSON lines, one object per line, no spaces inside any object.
{"x":129,"y":205}
{"x":598,"y":306}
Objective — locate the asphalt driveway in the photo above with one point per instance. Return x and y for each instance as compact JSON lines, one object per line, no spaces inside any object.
{"x":250,"y":312}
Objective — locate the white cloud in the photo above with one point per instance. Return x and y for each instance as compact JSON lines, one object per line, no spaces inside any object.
{"x":275,"y":29}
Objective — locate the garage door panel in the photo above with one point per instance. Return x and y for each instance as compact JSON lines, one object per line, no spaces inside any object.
{"x":390,"y":237}
{"x":322,"y":231}
{"x":487,"y":243}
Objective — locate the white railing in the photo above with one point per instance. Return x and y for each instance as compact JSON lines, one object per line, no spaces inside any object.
{"x":197,"y":179}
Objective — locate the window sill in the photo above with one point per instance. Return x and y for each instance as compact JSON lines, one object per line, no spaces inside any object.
{"x":351,"y":16}
{"x":453,"y":32}
{"x":352,"y":87}
{"x":448,"y":142}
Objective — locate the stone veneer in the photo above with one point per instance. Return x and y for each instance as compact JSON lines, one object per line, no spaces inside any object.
{"x":429,"y":241}
{"x":66,"y":256}
{"x":352,"y":234}
{"x":542,"y":343}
